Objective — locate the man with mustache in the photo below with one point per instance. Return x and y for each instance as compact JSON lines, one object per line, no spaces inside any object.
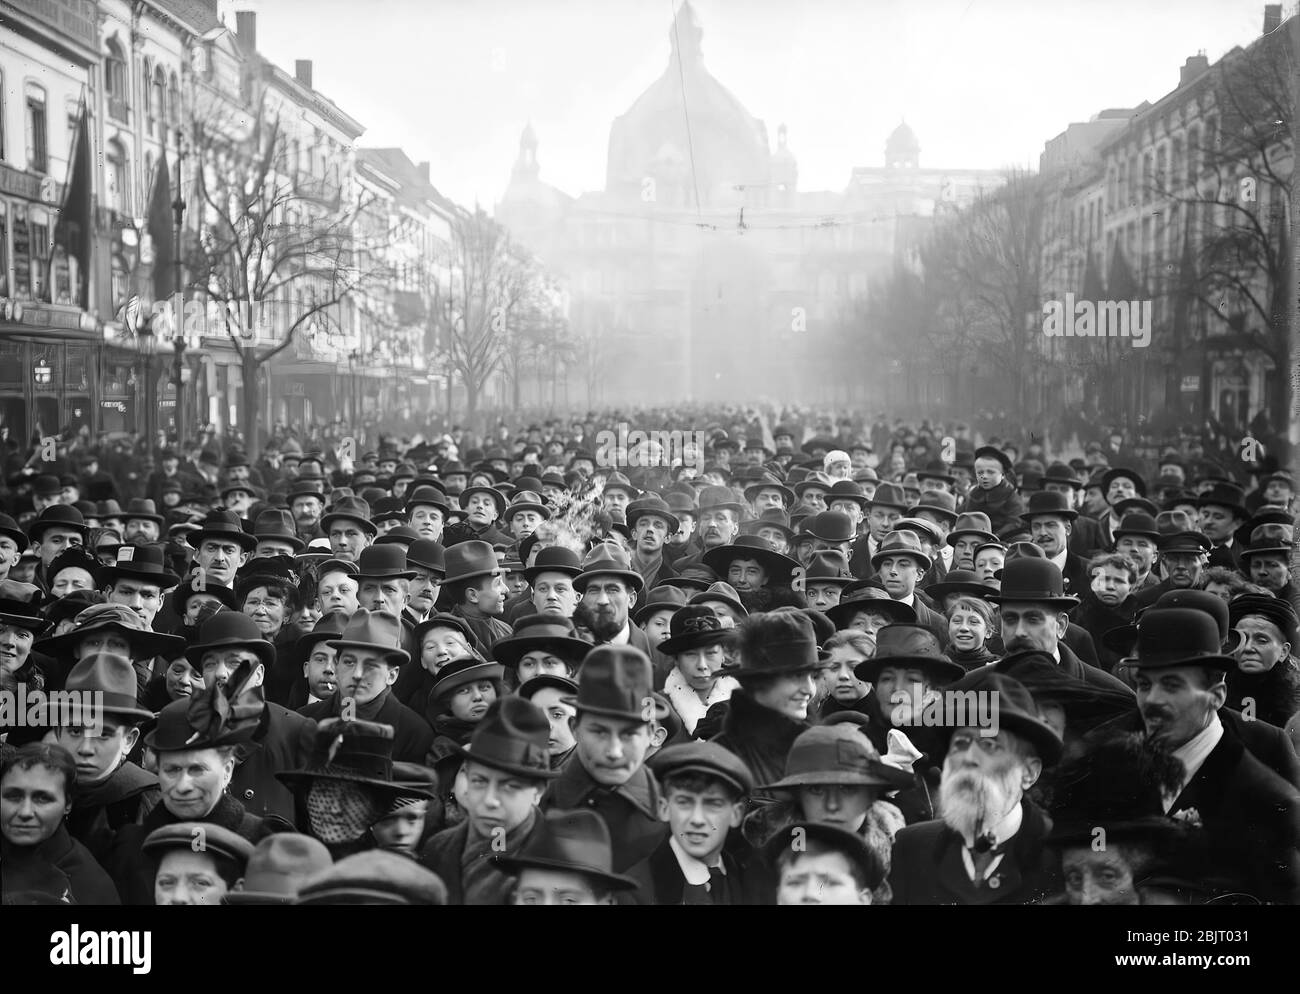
{"x":719,"y":524}
{"x":1249,"y":816}
{"x":1184,"y":556}
{"x":229,"y":645}
{"x":988,"y":845}
{"x":609,"y":587}
{"x":1034,"y":613}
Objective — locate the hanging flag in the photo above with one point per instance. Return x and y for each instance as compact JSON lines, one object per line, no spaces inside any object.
{"x":72,"y":231}
{"x":159,"y":226}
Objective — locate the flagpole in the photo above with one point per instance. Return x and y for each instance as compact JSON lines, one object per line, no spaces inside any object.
{"x":178,"y":342}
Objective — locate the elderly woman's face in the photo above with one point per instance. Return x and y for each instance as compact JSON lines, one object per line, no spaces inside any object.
{"x":192,"y":781}
{"x":72,"y":578}
{"x":1096,"y":878}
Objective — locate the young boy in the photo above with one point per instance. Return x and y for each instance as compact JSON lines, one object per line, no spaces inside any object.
{"x":567,"y":862}
{"x":821,"y":864}
{"x":695,"y":644}
{"x":704,"y":792}
{"x":506,"y":767}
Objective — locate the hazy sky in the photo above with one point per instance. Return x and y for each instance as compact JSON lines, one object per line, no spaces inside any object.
{"x":983,"y":83}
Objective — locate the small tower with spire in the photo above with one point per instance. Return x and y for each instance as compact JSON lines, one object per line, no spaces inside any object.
{"x":902,"y":150}
{"x":526,"y":168}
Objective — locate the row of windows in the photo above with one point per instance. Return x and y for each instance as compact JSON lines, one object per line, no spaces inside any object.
{"x":25,"y":262}
{"x":1172,"y":164}
{"x":161,"y":93}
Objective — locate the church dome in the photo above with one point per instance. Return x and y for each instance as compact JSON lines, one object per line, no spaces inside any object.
{"x":902,"y":148}
{"x":727,"y":145}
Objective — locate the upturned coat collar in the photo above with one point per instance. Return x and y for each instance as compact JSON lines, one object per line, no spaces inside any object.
{"x":575,"y":786}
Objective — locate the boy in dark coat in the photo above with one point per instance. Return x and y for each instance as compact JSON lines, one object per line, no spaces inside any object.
{"x":506,"y":767}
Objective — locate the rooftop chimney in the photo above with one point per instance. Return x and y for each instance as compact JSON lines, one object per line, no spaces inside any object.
{"x":423,"y":170}
{"x":1272,"y":17}
{"x":1193,"y":67}
{"x":302,"y":72}
{"x":246,"y":29}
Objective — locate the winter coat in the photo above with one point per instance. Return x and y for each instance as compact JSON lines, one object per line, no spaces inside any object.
{"x":631,"y":810}
{"x":283,"y":741}
{"x":412,"y":735}
{"x":686,"y":702}
{"x":99,"y":811}
{"x":761,"y":738}
{"x":88,"y":883}
{"x":444,"y":854}
{"x":1003,"y":504}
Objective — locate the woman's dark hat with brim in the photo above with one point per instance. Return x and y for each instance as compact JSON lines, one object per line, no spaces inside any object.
{"x":693,"y":627}
{"x":565,"y":685}
{"x":23,"y":614}
{"x":780,"y":569}
{"x":144,"y":643}
{"x":910,"y":646}
{"x":187,"y":589}
{"x":837,"y":754}
{"x":212,"y":718}
{"x":462,"y":670}
{"x":547,"y":632}
{"x":574,"y":841}
{"x":774,"y":643}
{"x":794,"y":838}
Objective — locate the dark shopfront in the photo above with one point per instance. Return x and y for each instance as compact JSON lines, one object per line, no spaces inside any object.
{"x":48,"y":384}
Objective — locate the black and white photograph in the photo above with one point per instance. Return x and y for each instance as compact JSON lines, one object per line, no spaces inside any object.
{"x":647,"y":453}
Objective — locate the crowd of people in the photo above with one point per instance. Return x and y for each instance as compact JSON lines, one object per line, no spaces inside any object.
{"x":801,"y":660}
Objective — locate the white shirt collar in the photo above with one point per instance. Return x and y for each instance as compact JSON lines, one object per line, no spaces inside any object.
{"x":946,"y":555}
{"x":1195,"y":752}
{"x":1059,"y":559}
{"x":623,"y":637}
{"x":1002,"y":831}
{"x":909,"y":600}
{"x":312,"y":698}
{"x":695,"y":871}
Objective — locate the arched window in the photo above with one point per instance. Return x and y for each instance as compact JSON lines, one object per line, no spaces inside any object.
{"x":118,"y":178}
{"x":115,"y":81}
{"x":38,"y":141}
{"x":147,"y":92}
{"x":159,"y":104}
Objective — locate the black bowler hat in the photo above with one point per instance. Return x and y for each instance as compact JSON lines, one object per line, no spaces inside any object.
{"x":960,"y":581}
{"x":1178,"y":636}
{"x":230,"y":630}
{"x":829,"y":526}
{"x":427,"y":554}
{"x":1138,"y":523}
{"x":651,"y":504}
{"x":384,"y":562}
{"x":1049,"y":502}
{"x":1108,"y":477}
{"x":57,"y":516}
{"x":1035,"y":580}
{"x":144,"y":563}
{"x":555,"y":559}
{"x":224,"y":525}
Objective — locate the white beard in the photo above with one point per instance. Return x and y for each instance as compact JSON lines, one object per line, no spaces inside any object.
{"x":971,"y":802}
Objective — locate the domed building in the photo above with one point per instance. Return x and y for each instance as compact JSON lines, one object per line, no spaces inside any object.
{"x":700,"y":266}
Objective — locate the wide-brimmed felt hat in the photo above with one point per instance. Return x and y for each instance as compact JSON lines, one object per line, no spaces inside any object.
{"x":378,"y":630}
{"x":468,"y":560}
{"x":225,"y":525}
{"x":779,"y":568}
{"x":616,"y":681}
{"x":774,"y":643}
{"x":1015,"y":710}
{"x":354,"y":751}
{"x":55,"y":516}
{"x":1114,"y":473}
{"x":692,"y":627}
{"x":712,"y":498}
{"x":277,"y":523}
{"x":772,"y":517}
{"x":1272,"y":609}
{"x":546,"y":632}
{"x":349,"y":509}
{"x":1048,"y":502}
{"x":889,"y":495}
{"x":112,"y":677}
{"x":278,"y":867}
{"x":901,"y":543}
{"x":938,"y":502}
{"x":828,"y":567}
{"x":651,"y":504}
{"x":868,"y":598}
{"x":724,"y":593}
{"x":144,"y":642}
{"x":972,"y":523}
{"x":462,"y":670}
{"x":142,"y":563}
{"x":661,"y":598}
{"x":514,"y":737}
{"x":1033,"y":580}
{"x":574,"y":841}
{"x":230,"y":630}
{"x":607,"y":560}
{"x":768,"y":481}
{"x":498,"y":498}
{"x":526,"y":500}
{"x":384,"y":562}
{"x":216,"y":839}
{"x":1178,"y":636}
{"x":617,"y":481}
{"x":795,"y":837}
{"x":921,"y":527}
{"x":910,"y":646}
{"x":838,"y":754}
